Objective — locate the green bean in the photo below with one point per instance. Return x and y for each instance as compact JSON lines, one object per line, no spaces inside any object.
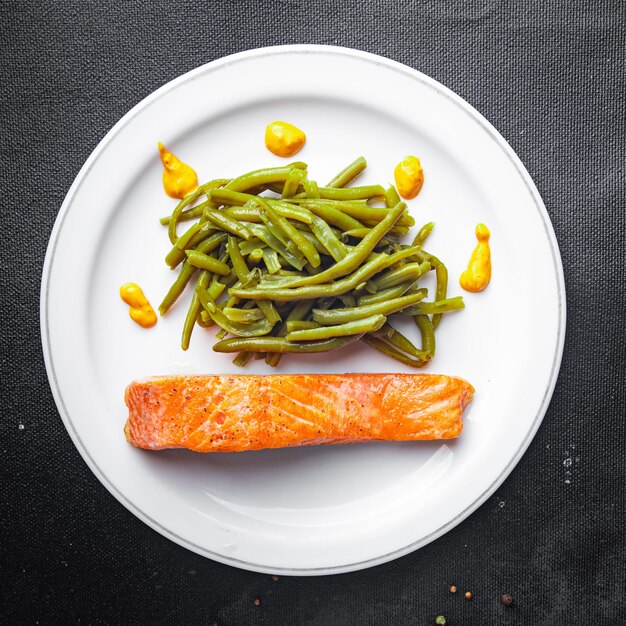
{"x":347,"y":207}
{"x":270,"y":258}
{"x":360,"y":233}
{"x":311,"y":190}
{"x":183,"y":241}
{"x":242,"y":359}
{"x":240,"y":206}
{"x":229,"y":280}
{"x":299,"y":312}
{"x":398,"y":343}
{"x":327,"y":238}
{"x":389,"y":350}
{"x":372,"y":215}
{"x":347,"y":300}
{"x":226,"y":223}
{"x":366,"y":271}
{"x":247,"y":247}
{"x":293,"y":181}
{"x":253,"y":278}
{"x":388,"y":294}
{"x":262,"y":232}
{"x":185,"y":274}
{"x":274,"y":281}
{"x":423,"y":233}
{"x":256,"y":256}
{"x":333,"y":216}
{"x":308,"y":267}
{"x":216,"y":288}
{"x":300,"y":325}
{"x":166,"y":219}
{"x":358,"y":254}
{"x":410,"y":271}
{"x":252,"y":329}
{"x":441,"y":292}
{"x":243,"y":213}
{"x":194,"y":309}
{"x":306,"y":230}
{"x":278,"y":344}
{"x":190,"y":214}
{"x":402,"y":225}
{"x":243,"y":316}
{"x":438,"y":307}
{"x":275,"y":187}
{"x":314,"y":241}
{"x":278,"y":234}
{"x":393,"y":336}
{"x":286,"y":209}
{"x":292,"y":233}
{"x":357,"y":233}
{"x":291,"y":211}
{"x":304,"y":202}
{"x":173,"y":222}
{"x":195,"y":211}
{"x":204,"y":322}
{"x":177,"y":252}
{"x":269,"y":311}
{"x":441,"y":272}
{"x":237,"y":260}
{"x":349,"y":173}
{"x":427,"y":331}
{"x":260,"y":177}
{"x":356,"y":327}
{"x":326,"y":303}
{"x":391,"y":196}
{"x":206,"y":262}
{"x":351,"y":193}
{"x":349,"y":314}
{"x":228,"y":197}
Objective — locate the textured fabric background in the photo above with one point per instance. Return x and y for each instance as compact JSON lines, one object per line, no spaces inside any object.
{"x":550,"y":76}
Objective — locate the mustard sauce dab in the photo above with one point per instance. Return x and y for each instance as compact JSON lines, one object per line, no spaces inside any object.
{"x":283,"y":139}
{"x":179,"y":179}
{"x":140,"y":310}
{"x":409,"y":177}
{"x":478,"y":273}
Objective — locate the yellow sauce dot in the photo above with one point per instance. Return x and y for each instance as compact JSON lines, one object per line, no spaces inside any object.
{"x":409,"y":177}
{"x":179,"y":179}
{"x":283,"y":139}
{"x":478,"y":273}
{"x":140,"y":310}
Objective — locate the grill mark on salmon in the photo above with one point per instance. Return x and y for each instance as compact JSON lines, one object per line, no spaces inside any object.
{"x":234,"y":413}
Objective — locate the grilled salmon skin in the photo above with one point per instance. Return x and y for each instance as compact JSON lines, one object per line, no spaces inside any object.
{"x":234,"y":413}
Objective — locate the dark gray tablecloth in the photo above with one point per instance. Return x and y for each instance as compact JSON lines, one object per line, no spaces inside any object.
{"x":550,"y":76}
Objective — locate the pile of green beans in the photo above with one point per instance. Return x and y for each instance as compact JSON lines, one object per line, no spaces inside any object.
{"x":284,"y":265}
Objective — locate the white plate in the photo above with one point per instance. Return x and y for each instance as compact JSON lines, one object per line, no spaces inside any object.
{"x":322,"y":509}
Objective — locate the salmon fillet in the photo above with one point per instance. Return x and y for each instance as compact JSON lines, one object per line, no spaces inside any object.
{"x":234,"y":413}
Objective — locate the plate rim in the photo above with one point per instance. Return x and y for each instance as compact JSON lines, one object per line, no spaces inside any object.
{"x":414,"y":75}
